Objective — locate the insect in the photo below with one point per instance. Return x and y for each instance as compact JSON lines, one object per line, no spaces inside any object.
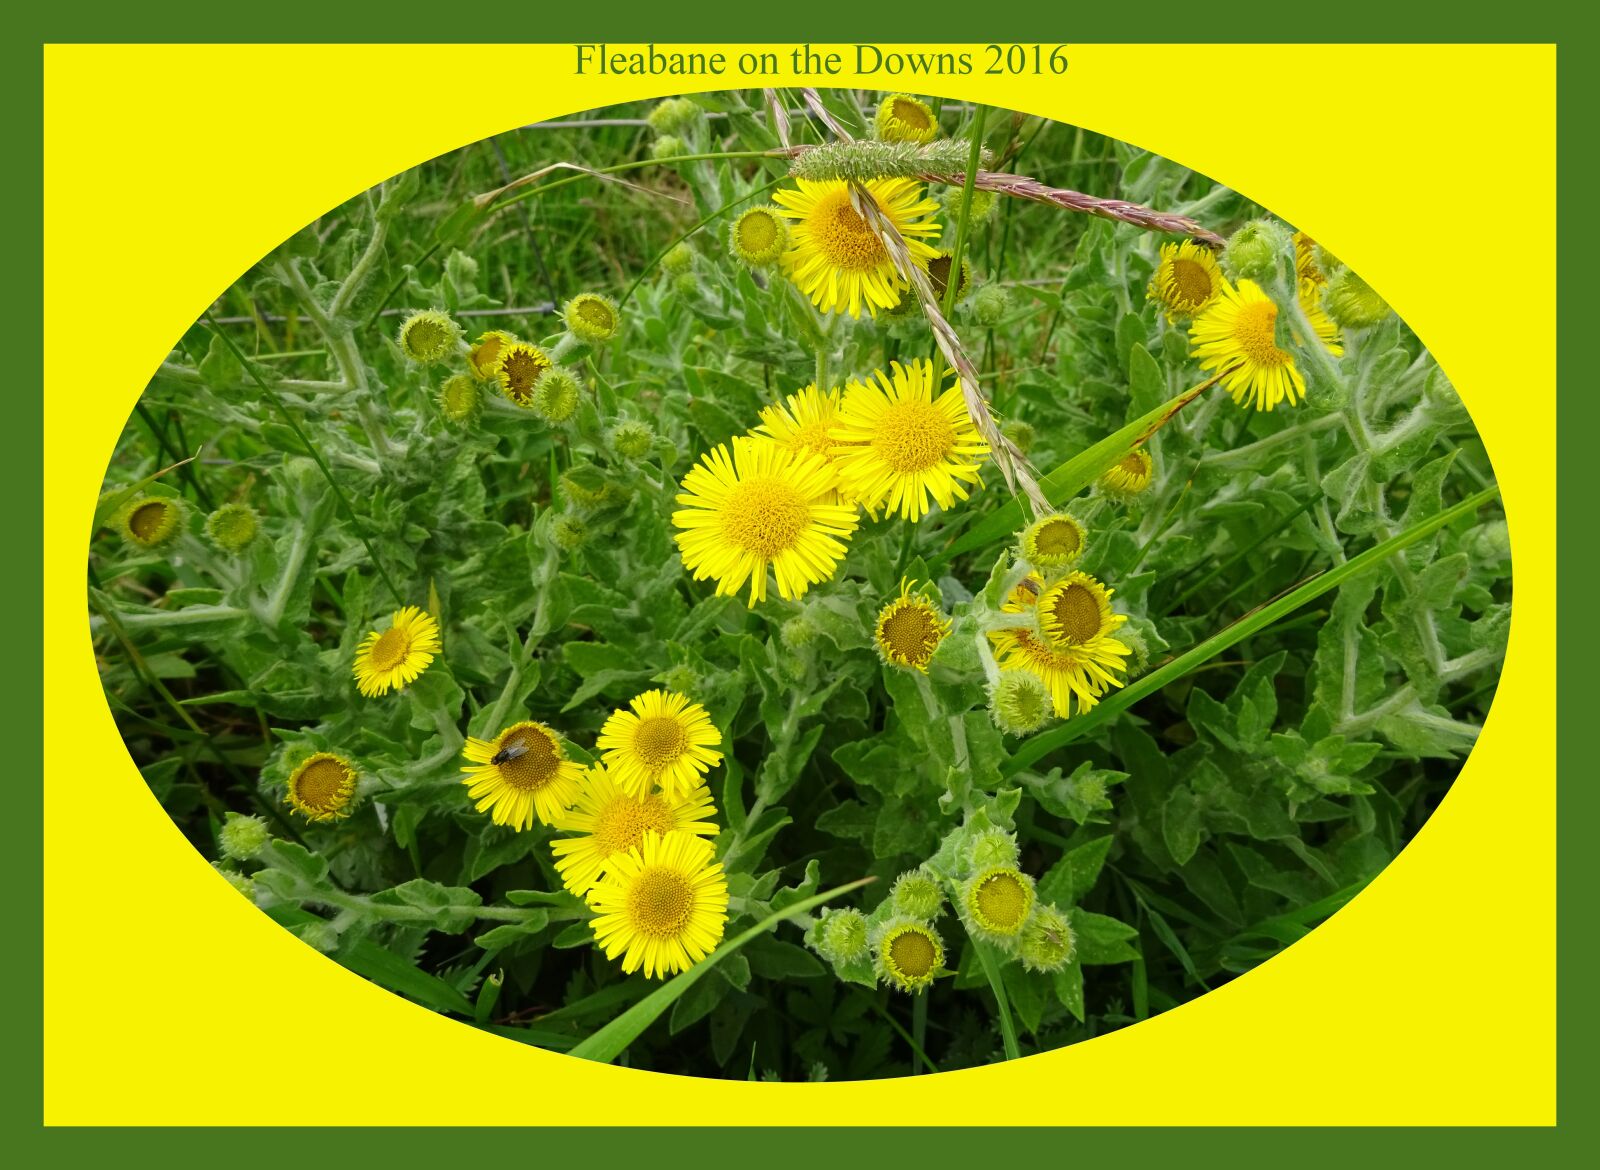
{"x":510,"y":752}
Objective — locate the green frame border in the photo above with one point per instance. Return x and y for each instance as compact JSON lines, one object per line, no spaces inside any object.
{"x":1153,"y":21}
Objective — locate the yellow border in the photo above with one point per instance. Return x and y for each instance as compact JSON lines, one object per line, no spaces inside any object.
{"x":1430,"y":999}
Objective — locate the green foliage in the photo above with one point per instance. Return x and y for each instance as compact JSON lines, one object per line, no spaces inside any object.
{"x":1317,"y":598}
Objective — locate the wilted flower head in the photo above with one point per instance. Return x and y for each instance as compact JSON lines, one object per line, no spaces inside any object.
{"x":555,"y":396}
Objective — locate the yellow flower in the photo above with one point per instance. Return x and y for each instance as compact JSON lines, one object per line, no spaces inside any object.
{"x":662,"y":906}
{"x":322,"y":787}
{"x":1130,"y":475}
{"x":903,"y":118}
{"x":666,"y":739}
{"x":761,"y":506}
{"x":1238,"y":335}
{"x":1187,"y":279}
{"x":519,"y":369}
{"x":759,"y":236}
{"x":803,"y":423}
{"x":521,"y":774}
{"x":997,"y":902}
{"x":391,"y":660}
{"x":591,"y":317}
{"x":908,"y":953}
{"x":1053,"y":542}
{"x":835,"y":257}
{"x":612,"y":822}
{"x":484,"y":357}
{"x":1075,"y":674}
{"x":909,"y":630}
{"x":1076,"y":611}
{"x":899,"y":444}
{"x":1305,"y":260}
{"x":1323,"y":325}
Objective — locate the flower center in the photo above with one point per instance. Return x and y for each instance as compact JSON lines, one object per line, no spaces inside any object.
{"x":660,"y":740}
{"x":621,"y":825}
{"x":1191,"y":280}
{"x":843,"y":236}
{"x":912,"y":954}
{"x":147,"y":519}
{"x":1029,"y":704}
{"x":1003,"y":902}
{"x":320,"y":785}
{"x":911,"y":632}
{"x":521,"y":370}
{"x":1058,"y":538}
{"x":764,"y":517}
{"x":913,"y":436}
{"x":1254,"y":332}
{"x":659,"y":902}
{"x":939,"y":275}
{"x":757,"y":232}
{"x":1077,"y":610}
{"x":537,"y":764}
{"x":487,"y":352}
{"x":811,"y":438}
{"x":595,"y":313}
{"x":425,"y":336}
{"x":390,"y":650}
{"x":1133,"y":463}
{"x":911,"y":114}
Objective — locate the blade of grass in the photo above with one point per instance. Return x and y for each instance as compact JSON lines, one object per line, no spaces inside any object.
{"x":1074,"y":475}
{"x":1008,"y":1030}
{"x":1079,"y":726}
{"x":609,"y":1042}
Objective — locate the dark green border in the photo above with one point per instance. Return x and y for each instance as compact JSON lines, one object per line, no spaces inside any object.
{"x":1151,"y":20}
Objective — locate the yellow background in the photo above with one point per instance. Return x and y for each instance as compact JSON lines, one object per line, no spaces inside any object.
{"x":170,"y":169}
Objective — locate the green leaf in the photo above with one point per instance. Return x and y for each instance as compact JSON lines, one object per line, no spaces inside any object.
{"x":1069,"y":879}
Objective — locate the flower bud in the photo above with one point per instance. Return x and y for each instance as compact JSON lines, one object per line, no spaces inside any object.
{"x":237,"y":880}
{"x":797,"y":633}
{"x":1047,"y":943}
{"x":679,"y":259}
{"x":632,"y":440}
{"x":152,"y":522}
{"x":668,"y":146}
{"x":1351,"y":302}
{"x":233,"y":527}
{"x":983,"y":204}
{"x":996,"y":903}
{"x":686,"y":284}
{"x":243,"y":838}
{"x":1019,"y":703}
{"x":428,"y":336}
{"x":591,"y":317}
{"x":989,"y":304}
{"x":459,"y":399}
{"x":903,"y":118}
{"x":1130,"y":476}
{"x":1253,"y":251}
{"x":569,"y":532}
{"x":840,"y":936}
{"x":907,"y":954}
{"x":681,"y":679}
{"x":1053,"y":542}
{"x":758,"y":237}
{"x":555,"y":396}
{"x":1020,"y":433}
{"x":674,"y":115}
{"x":991,"y":848}
{"x":916,"y":894}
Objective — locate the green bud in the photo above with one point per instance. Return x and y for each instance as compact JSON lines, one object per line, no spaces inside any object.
{"x":916,"y":894}
{"x":632,"y":440}
{"x":989,"y":304}
{"x":674,"y":115}
{"x":237,"y":880}
{"x":679,"y":259}
{"x":983,"y":204}
{"x":668,"y":146}
{"x":428,"y":336}
{"x":1351,"y":302}
{"x":681,"y":678}
{"x":686,"y":284}
{"x":1019,"y":703}
{"x":243,"y":838}
{"x":1047,"y":943}
{"x":232,"y":527}
{"x":797,"y":633}
{"x":907,"y":953}
{"x":569,"y":532}
{"x":1254,"y":250}
{"x":991,"y":848}
{"x":1020,"y":433}
{"x":555,"y":396}
{"x":591,"y":317}
{"x":1053,"y":542}
{"x":758,"y":237}
{"x":459,"y":398}
{"x":1491,"y":541}
{"x":840,"y":936}
{"x":996,"y":904}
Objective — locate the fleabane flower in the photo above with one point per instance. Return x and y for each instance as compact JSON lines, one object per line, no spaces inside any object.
{"x":609,"y":821}
{"x":903,"y":118}
{"x":835,"y":257}
{"x":1186,"y":280}
{"x":521,"y":775}
{"x":759,"y":506}
{"x":661,"y":906}
{"x":803,"y":423}
{"x":907,"y":953}
{"x":902,"y":447}
{"x":322,"y":787}
{"x":664,"y":739}
{"x":909,"y":629}
{"x":392,"y":659}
